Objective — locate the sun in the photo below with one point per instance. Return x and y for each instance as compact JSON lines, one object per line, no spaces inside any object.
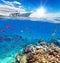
{"x":41,"y":10}
{"x":39,"y":13}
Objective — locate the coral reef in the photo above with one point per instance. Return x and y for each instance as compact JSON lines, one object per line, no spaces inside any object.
{"x":41,"y":53}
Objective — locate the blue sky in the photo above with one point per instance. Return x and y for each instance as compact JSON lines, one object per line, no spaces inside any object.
{"x":29,"y":5}
{"x":50,"y":5}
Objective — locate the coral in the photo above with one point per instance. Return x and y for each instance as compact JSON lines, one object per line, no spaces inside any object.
{"x":23,"y":59}
{"x":43,"y":53}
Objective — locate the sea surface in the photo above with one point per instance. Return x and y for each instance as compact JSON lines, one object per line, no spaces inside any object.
{"x":17,"y":34}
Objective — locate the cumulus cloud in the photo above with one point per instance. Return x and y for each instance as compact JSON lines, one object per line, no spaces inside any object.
{"x":11,"y":3}
{"x":53,"y":17}
{"x":15,"y":2}
{"x":40,"y":15}
{"x":9,"y":7}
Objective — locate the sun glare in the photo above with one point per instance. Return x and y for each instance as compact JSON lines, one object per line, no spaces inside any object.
{"x":39,"y":13}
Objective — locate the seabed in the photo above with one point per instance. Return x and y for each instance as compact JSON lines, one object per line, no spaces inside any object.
{"x":41,"y":52}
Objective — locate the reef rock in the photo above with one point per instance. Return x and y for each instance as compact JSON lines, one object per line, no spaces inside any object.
{"x":43,"y":53}
{"x":23,"y":59}
{"x":29,"y":49}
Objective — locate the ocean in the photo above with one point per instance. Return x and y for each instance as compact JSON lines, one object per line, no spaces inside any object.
{"x":17,"y":34}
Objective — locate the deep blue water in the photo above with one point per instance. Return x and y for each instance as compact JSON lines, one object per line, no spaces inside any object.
{"x":38,"y":29}
{"x":22,"y":33}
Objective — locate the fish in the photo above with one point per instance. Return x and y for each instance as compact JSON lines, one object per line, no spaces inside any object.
{"x":48,"y":38}
{"x":2,"y":38}
{"x":55,"y":26}
{"x":26,"y":28}
{"x":53,"y":34}
{"x":10,"y":37}
{"x":3,"y":30}
{"x":20,"y":37}
{"x":12,"y":28}
{"x":8,"y":26}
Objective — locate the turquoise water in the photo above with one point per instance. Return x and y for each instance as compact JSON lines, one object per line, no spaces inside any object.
{"x":17,"y":34}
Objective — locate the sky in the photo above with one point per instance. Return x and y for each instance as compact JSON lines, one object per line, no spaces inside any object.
{"x":39,"y":8}
{"x":30,"y":5}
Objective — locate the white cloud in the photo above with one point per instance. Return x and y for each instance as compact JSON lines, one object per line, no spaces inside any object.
{"x":53,"y":17}
{"x":15,"y":2}
{"x":11,"y":3}
{"x":40,"y":15}
{"x":10,"y":7}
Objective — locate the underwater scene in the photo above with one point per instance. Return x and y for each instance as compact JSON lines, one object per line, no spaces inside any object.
{"x":29,"y":31}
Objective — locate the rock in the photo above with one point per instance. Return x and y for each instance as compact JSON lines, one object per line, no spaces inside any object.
{"x":23,"y":59}
{"x":29,"y":49}
{"x":36,"y":62}
{"x":39,"y":51}
{"x":43,"y":43}
{"x":20,"y":37}
{"x":18,"y":58}
{"x":38,"y":47}
{"x":40,"y":41}
{"x":43,"y":60}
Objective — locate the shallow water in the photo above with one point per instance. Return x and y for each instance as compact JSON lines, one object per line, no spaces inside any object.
{"x":22,"y":33}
